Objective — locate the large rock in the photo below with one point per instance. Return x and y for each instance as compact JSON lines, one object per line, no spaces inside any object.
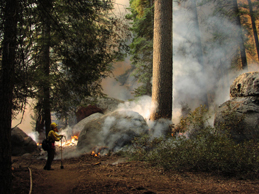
{"x":114,"y":130}
{"x":84,"y":112}
{"x":80,"y":125}
{"x":247,"y":84}
{"x":240,"y":114}
{"x":21,"y":142}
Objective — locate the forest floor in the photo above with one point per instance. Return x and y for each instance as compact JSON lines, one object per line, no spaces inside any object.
{"x":114,"y":174}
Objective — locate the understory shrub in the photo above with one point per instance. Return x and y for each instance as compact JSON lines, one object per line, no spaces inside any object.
{"x":208,"y":151}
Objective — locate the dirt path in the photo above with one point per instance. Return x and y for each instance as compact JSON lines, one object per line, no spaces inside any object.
{"x":60,"y":181}
{"x":113,"y":174}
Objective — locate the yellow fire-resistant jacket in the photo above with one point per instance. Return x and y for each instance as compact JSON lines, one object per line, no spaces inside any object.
{"x":53,"y":136}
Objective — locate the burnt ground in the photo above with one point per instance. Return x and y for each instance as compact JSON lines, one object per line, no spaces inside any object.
{"x":114,"y":174}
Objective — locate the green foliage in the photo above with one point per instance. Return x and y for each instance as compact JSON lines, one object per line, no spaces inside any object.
{"x":193,"y":122}
{"x":93,"y":41}
{"x":209,"y":150}
{"x":142,"y":145}
{"x":139,"y":6}
{"x":141,"y":47}
{"x":85,"y":39}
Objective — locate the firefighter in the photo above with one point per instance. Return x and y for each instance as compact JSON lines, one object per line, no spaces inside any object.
{"x":52,"y":137}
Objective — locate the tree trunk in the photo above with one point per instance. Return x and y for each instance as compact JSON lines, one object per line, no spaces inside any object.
{"x":162,"y":61}
{"x":6,"y":93}
{"x":240,"y":34}
{"x":39,"y":123}
{"x":45,"y":58}
{"x":254,"y":27}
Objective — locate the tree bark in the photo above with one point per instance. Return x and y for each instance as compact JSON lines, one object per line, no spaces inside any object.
{"x":240,"y":34}
{"x":162,"y":61}
{"x":45,"y":59}
{"x":6,"y":93}
{"x":254,"y":27}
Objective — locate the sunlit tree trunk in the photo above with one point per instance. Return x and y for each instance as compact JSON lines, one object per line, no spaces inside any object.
{"x":254,"y":27}
{"x":162,"y":61}
{"x":241,"y":45}
{"x":6,"y":93}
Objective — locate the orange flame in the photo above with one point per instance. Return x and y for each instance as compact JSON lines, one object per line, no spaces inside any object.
{"x":99,"y":151}
{"x":94,"y":154}
{"x":70,"y":142}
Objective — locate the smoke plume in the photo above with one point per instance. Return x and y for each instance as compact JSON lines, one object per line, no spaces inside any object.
{"x":192,"y":79}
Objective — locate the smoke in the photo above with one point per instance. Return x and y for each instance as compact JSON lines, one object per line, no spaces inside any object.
{"x":197,"y":75}
{"x":24,"y":120}
{"x":123,"y":2}
{"x":114,"y":139}
{"x":109,"y":121}
{"x":67,"y":132}
{"x":144,"y":106}
{"x":113,"y":88}
{"x":113,"y":130}
{"x":141,"y":105}
{"x":120,"y":7}
{"x":34,"y":135}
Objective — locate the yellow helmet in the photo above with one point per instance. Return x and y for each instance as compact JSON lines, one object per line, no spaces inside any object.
{"x":53,"y":125}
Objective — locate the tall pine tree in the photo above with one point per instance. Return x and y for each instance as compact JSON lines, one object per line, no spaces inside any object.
{"x":10,"y":14}
{"x":162,"y":61}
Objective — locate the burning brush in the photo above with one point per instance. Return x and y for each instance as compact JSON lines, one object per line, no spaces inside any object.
{"x":100,"y":151}
{"x":70,"y":142}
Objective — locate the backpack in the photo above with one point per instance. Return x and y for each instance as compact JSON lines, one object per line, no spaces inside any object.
{"x":46,"y":145}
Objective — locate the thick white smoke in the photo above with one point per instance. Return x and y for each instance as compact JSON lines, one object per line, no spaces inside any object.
{"x":34,"y":135}
{"x":192,"y":79}
{"x":195,"y":75}
{"x":143,"y":105}
{"x":140,"y":105}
